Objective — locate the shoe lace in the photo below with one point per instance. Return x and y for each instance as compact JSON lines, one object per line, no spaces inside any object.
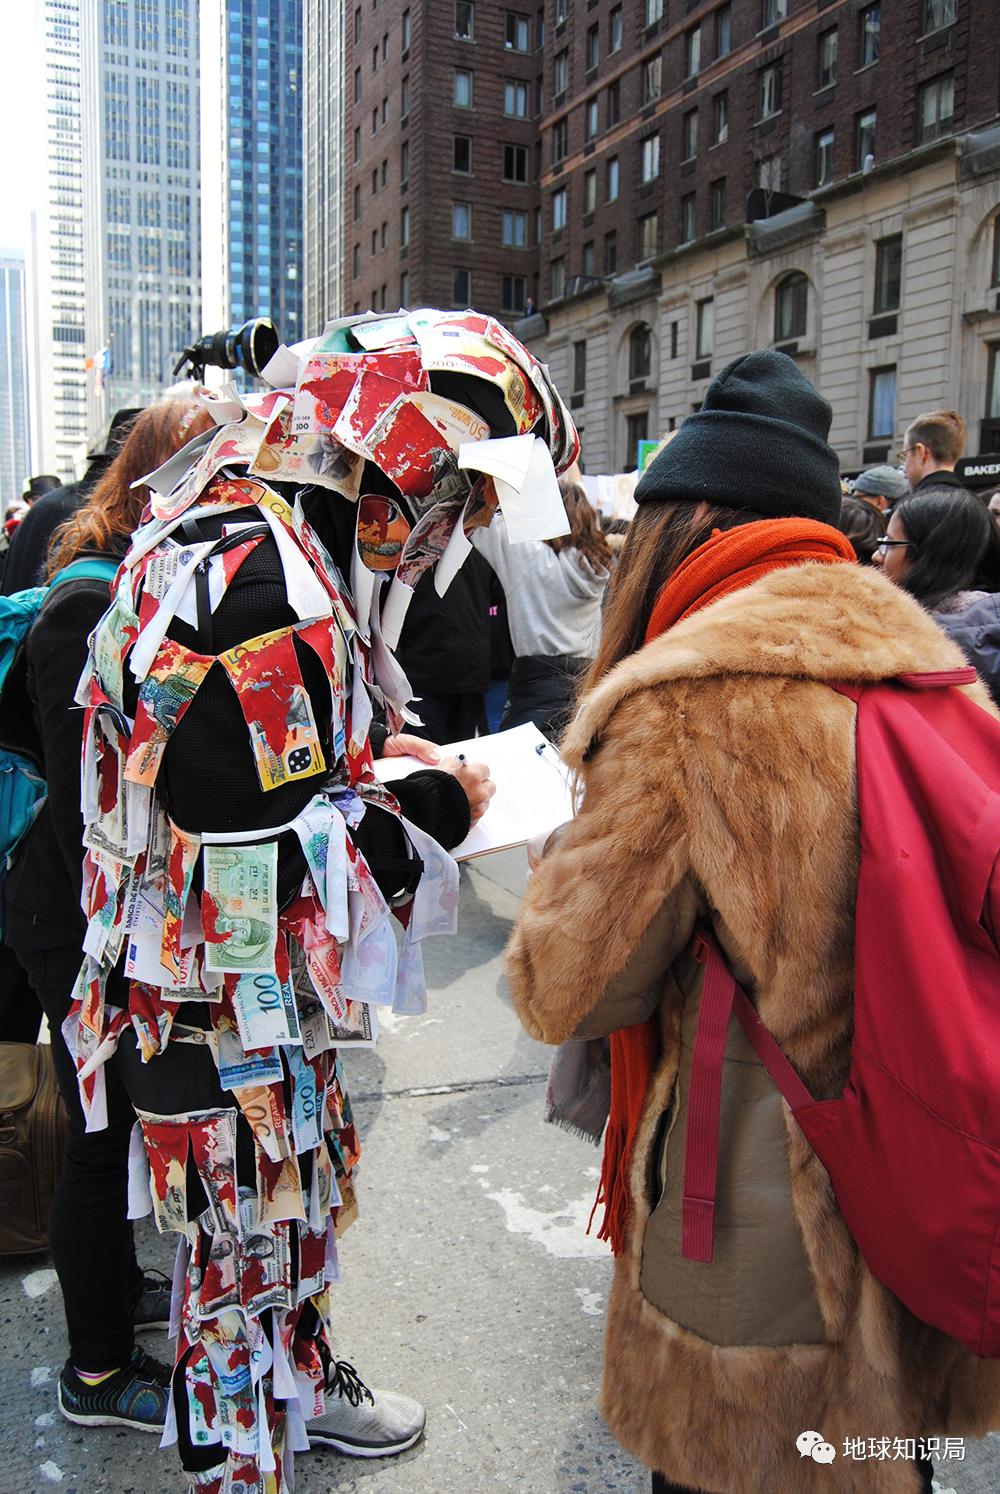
{"x":343,"y":1379}
{"x":152,"y":1371}
{"x":155,"y":1281}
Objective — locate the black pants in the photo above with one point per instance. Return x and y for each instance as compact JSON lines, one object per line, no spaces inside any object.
{"x":89,"y":1234}
{"x":448,"y":718}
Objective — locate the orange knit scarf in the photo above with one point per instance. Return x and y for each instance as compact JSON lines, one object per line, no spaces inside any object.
{"x":730,"y":560}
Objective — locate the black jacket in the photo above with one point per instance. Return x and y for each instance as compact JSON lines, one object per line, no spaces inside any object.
{"x":445,"y":647}
{"x":942,"y":479}
{"x":28,"y":555}
{"x":977,"y":633}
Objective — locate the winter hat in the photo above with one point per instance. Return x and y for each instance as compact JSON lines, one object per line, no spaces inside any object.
{"x":758,"y":442}
{"x":882,"y":482}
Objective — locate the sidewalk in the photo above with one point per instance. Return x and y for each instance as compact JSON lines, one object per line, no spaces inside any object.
{"x":468,"y":1282}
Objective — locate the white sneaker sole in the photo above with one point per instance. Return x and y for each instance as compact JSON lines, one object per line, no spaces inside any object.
{"x":359,"y":1449}
{"x":106,"y":1421}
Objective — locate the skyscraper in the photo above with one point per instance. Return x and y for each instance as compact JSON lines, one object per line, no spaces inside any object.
{"x":141,"y":168}
{"x":58,"y":273}
{"x":252,"y":215}
{"x":14,"y":454}
{"x":323,"y":142}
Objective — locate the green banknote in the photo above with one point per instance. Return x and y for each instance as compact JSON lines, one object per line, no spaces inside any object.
{"x":240,"y":907}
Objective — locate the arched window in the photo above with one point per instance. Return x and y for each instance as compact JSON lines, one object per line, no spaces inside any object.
{"x":791,"y":297}
{"x":639,"y":353}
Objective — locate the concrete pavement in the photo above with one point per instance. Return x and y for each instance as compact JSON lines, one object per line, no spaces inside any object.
{"x":468,"y":1282}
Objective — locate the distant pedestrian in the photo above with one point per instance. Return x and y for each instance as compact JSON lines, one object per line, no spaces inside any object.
{"x":931,"y":447}
{"x":880,"y":486}
{"x":864,"y":526}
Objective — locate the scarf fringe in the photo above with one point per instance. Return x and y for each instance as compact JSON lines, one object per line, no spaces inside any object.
{"x":552,"y":1117}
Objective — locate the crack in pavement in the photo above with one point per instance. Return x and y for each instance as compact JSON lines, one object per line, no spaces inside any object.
{"x":462,"y":1086}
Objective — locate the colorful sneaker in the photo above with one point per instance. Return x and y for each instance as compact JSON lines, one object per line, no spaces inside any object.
{"x":153,"y":1307}
{"x":134,"y":1396}
{"x":363,"y":1423}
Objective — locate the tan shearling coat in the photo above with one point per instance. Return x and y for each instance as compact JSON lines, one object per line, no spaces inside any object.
{"x":718,"y":778}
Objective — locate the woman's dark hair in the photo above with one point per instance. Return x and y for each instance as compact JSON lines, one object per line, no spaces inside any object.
{"x":950,"y":532}
{"x":585,"y":533}
{"x":863,"y":525}
{"x":660,"y":537}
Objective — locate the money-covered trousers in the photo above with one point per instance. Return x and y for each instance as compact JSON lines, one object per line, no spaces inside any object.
{"x":89,"y":1232}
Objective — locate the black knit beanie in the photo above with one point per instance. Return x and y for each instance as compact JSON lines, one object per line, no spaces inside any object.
{"x":758,"y":442}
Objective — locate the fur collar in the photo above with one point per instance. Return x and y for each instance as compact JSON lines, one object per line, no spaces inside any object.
{"x":811,"y":621}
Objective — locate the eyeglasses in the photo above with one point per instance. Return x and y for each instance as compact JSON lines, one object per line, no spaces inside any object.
{"x":904,"y":453}
{"x":888,"y":544}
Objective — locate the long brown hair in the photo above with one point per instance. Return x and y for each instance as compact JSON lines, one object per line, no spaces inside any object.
{"x":585,"y":533}
{"x":660,"y":537}
{"x":113,"y":507}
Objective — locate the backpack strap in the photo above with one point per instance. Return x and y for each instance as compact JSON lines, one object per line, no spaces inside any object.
{"x":91,"y":568}
{"x":720,"y":997}
{"x":931,"y":679}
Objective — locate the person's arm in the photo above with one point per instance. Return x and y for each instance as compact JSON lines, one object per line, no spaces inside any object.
{"x":57,"y":652}
{"x":613,"y":903}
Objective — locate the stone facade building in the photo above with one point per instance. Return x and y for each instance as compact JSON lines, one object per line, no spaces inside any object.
{"x":822,"y":177}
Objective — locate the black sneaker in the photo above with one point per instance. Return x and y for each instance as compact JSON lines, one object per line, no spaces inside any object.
{"x":153,"y":1307}
{"x":134,"y":1396}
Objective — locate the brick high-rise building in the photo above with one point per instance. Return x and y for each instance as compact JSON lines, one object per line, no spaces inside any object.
{"x":442,"y":155}
{"x":820,"y":175}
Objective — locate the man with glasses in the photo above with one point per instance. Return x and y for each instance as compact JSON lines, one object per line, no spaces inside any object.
{"x":932,"y":445}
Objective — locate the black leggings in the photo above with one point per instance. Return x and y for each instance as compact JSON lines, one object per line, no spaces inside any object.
{"x":89,"y":1233}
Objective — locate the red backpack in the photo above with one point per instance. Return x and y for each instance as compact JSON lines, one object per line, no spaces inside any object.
{"x":912,"y":1147}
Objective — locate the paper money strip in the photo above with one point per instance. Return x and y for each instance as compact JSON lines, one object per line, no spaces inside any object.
{"x":190,"y":945}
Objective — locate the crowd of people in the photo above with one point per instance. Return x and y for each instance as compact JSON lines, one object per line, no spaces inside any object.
{"x":684,"y":668}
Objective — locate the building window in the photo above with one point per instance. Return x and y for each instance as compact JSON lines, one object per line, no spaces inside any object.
{"x":687,"y":218}
{"x":357,"y":26}
{"x":404,"y":288}
{"x":461,"y":220}
{"x":404,"y":227}
{"x":357,"y":144}
{"x":559,"y":209}
{"x":882,"y":404}
{"x":357,"y":203}
{"x":652,"y":11}
{"x":515,"y":163}
{"x":769,"y":173}
{"x":514,"y":229}
{"x":611,"y":253}
{"x":938,"y":13}
{"x":704,"y":328}
{"x":640,"y":353}
{"x":462,"y":154}
{"x":720,"y":112}
{"x":461,"y":287}
{"x":993,"y":383}
{"x":689,"y":135}
{"x":866,"y":140}
{"x":870,"y":26}
{"x":772,"y":12}
{"x":937,"y":107}
{"x":407,"y":32}
{"x":769,"y":94}
{"x":692,"y":51}
{"x":791,"y":297}
{"x":824,"y":158}
{"x":614,"y":103}
{"x":648,"y":235}
{"x":649,"y":158}
{"x":462,"y":89}
{"x":579,"y":367}
{"x":404,"y":161}
{"x":562,"y":11}
{"x":593,"y":46}
{"x":827,"y":59}
{"x":465,"y":24}
{"x":517,"y":32}
{"x":888,"y":274}
{"x":612,"y":195}
{"x":357,"y":85}
{"x":512,"y":289}
{"x":560,"y":139}
{"x":615,"y":30}
{"x":636,"y":431}
{"x":588,"y":259}
{"x":404,"y":102}
{"x":560,"y":72}
{"x":357,"y":260}
{"x":995,"y":270}
{"x":589,"y":192}
{"x":557,"y":270}
{"x":590,"y":120}
{"x":718,"y":202}
{"x":723,"y":31}
{"x":652,"y":76}
{"x":515,"y":99}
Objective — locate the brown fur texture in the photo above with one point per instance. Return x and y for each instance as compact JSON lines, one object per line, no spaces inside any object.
{"x":714,"y":760}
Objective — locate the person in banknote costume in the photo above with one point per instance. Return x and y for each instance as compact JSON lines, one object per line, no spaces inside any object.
{"x":246,"y":874}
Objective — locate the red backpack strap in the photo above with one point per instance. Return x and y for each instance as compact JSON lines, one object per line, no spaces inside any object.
{"x":930,"y":679}
{"x":719,"y":997}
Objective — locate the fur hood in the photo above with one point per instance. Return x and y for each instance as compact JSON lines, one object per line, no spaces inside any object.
{"x":718,"y":780}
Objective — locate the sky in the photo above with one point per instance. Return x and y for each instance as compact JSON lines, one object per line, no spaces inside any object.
{"x":21,"y":121}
